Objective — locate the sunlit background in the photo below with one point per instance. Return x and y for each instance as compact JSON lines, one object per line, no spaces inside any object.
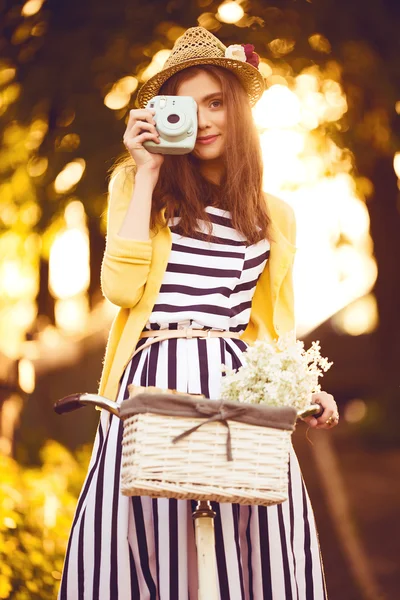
{"x":303,"y":118}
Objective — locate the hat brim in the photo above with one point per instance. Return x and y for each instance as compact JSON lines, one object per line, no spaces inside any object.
{"x":249,"y":76}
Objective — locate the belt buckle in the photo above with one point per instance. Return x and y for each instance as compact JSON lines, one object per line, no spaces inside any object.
{"x":185,"y":329}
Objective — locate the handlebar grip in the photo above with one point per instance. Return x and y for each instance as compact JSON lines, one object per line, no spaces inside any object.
{"x":313,"y":410}
{"x":75,"y":401}
{"x":320,"y":412}
{"x":68,"y":404}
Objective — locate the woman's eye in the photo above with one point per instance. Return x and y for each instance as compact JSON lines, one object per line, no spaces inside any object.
{"x":216,"y":103}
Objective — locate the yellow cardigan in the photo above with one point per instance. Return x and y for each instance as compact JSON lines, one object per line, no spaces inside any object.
{"x":132,"y":273}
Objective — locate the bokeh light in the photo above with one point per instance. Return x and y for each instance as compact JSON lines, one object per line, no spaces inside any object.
{"x":208,"y":21}
{"x":396,"y":164}
{"x":278,"y":108}
{"x":37,"y":132}
{"x":10,"y":94}
{"x":32,"y":7}
{"x":7,"y":74}
{"x":18,"y":279}
{"x":21,"y":34}
{"x":120,"y":94}
{"x":68,"y":142}
{"x":74,"y":214}
{"x":71,"y":314}
{"x":281,"y":46}
{"x":69,"y":264}
{"x":265,"y":69}
{"x":69,"y":176}
{"x":359,"y":317}
{"x":127,"y":84}
{"x":319,"y":43}
{"x":355,"y":410}
{"x":304,"y":166}
{"x":156,"y":64}
{"x":230,"y":12}
{"x":26,"y":375}
{"x":37,"y":166}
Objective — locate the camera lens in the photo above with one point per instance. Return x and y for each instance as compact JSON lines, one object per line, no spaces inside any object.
{"x":173,"y":118}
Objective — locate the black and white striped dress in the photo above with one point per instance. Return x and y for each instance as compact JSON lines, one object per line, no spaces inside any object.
{"x":140,"y":548}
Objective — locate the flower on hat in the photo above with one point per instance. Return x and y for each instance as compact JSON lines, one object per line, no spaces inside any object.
{"x":243,"y":52}
{"x":251,"y":57}
{"x":236,"y":51}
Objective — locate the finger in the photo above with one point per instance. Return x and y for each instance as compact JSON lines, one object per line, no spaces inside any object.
{"x":134,"y":127}
{"x":322,"y":398}
{"x":137,"y":129}
{"x":131,"y":138}
{"x":147,"y":135}
{"x":136,"y":142}
{"x":144,"y":114}
{"x":140,"y":127}
{"x":139,"y":113}
{"x":328,"y":412}
{"x":311,"y":421}
{"x":331,"y":421}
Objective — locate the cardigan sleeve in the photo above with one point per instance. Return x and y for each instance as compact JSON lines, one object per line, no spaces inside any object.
{"x":126,"y":262}
{"x":284,"y":217}
{"x":287,"y":288}
{"x":291,"y":226}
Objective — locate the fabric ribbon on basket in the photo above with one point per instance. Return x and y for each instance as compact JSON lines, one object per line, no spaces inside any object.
{"x":218,"y":413}
{"x":190,"y":406}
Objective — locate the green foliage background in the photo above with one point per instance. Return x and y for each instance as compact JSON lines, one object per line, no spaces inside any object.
{"x":37,"y":506}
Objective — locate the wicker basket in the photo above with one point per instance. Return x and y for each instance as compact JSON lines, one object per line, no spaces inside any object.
{"x":196,"y":467}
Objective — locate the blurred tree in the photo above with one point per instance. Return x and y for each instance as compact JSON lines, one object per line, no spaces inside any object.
{"x":36,"y":510}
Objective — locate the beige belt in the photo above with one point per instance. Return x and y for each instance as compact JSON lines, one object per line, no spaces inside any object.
{"x":159,"y":335}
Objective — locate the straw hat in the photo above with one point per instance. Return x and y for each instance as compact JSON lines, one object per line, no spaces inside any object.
{"x":197,"y":46}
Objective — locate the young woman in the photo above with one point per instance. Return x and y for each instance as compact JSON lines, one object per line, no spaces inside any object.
{"x":193,"y":246}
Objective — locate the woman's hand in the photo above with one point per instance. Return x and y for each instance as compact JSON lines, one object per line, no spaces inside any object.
{"x":141,"y":127}
{"x":330,"y":416}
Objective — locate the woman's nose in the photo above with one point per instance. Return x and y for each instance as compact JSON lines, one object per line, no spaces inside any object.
{"x":202,"y":120}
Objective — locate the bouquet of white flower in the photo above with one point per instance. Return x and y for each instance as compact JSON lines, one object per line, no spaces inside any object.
{"x":278,"y":373}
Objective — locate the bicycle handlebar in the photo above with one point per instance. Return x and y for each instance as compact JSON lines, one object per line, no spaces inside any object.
{"x":75,"y":401}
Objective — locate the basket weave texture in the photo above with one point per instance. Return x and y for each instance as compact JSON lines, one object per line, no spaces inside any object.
{"x":196,"y":467}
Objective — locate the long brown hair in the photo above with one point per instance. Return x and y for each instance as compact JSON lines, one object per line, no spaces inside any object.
{"x":182,"y":190}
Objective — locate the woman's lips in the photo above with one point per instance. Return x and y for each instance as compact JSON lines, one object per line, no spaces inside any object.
{"x":207,"y":140}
